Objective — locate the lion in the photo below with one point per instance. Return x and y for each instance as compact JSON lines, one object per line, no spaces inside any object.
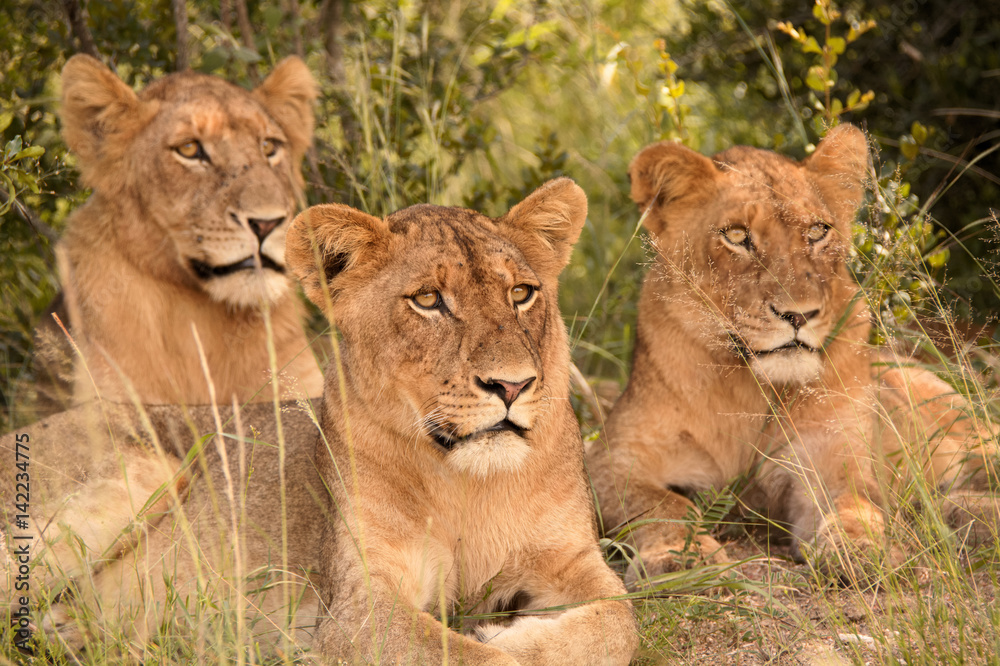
{"x":449,"y":448}
{"x":751,"y":360}
{"x":256,"y":483}
{"x":171,"y":267}
{"x":175,"y":281}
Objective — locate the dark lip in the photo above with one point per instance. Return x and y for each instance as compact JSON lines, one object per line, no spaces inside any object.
{"x":449,"y":442}
{"x":745,"y":351}
{"x":207,"y":272}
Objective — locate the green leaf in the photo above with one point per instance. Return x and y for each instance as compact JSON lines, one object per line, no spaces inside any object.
{"x":246,"y":55}
{"x":909,"y":147}
{"x":5,"y":120}
{"x":939,"y":258}
{"x":30,"y":151}
{"x":816,"y":78}
{"x":811,"y":46}
{"x":273,"y":17}
{"x":819,"y":11}
{"x":214,"y":59}
{"x":853,"y":98}
{"x":837,"y":44}
{"x":12,"y":148}
{"x":919,"y":133}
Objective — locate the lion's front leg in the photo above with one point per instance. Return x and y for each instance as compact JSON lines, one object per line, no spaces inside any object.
{"x":376,"y":619}
{"x":89,"y":478}
{"x":827,"y":483}
{"x":657,"y":520}
{"x":928,"y":426}
{"x":592,"y":626}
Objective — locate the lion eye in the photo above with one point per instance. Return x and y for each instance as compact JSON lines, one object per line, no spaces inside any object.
{"x":737,"y":235}
{"x":817,"y":232}
{"x":270,"y":147}
{"x":191,"y":150}
{"x":522,"y":293}
{"x":427,"y":300}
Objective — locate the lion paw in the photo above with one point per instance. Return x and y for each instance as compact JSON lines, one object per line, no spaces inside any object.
{"x":668,"y":558}
{"x":853,"y":548}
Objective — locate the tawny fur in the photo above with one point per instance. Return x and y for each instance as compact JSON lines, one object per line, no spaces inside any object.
{"x":223,"y":537}
{"x":131,"y":255}
{"x":134,"y":297}
{"x":438,"y":510}
{"x":750,"y":256}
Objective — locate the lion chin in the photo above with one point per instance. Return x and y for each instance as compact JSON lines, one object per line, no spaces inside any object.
{"x":490,"y":453}
{"x":248,"y":287}
{"x":786,"y":367}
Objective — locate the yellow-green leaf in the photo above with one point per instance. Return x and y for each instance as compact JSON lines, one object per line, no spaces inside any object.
{"x":816,"y":78}
{"x":30,"y":151}
{"x":919,"y":133}
{"x":909,"y":147}
{"x":811,"y":46}
{"x":5,"y":120}
{"x":836,"y":44}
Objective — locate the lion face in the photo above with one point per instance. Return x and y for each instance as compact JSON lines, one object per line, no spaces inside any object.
{"x":752,"y":246}
{"x":225,"y":162}
{"x":450,"y":325}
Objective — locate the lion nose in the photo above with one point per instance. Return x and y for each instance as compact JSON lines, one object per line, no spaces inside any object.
{"x":508,"y":391}
{"x":797,"y":318}
{"x":261,"y":228}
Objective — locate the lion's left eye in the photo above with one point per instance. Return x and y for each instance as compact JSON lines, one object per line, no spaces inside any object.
{"x":522,"y":293}
{"x":192,"y":150}
{"x":737,"y":235}
{"x":270,"y":147}
{"x":817,"y":232}
{"x":427,"y":300}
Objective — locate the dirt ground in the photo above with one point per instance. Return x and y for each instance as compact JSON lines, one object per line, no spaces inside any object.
{"x":777,"y":611}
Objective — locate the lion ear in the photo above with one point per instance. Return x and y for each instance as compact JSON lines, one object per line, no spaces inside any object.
{"x":547,"y":224}
{"x":839,"y":168}
{"x":96,"y":106}
{"x":326,"y":240}
{"x":288,"y":94}
{"x":666,"y":174}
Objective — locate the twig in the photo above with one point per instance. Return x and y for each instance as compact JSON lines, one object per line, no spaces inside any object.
{"x":296,"y":15}
{"x":181,"y":22}
{"x":246,"y":36}
{"x":77,"y":14}
{"x":331,"y":19}
{"x":30,"y":217}
{"x":946,"y":157}
{"x":226,"y":15}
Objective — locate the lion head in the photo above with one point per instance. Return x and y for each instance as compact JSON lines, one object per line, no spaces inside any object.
{"x":451,"y":330}
{"x":752,"y":245}
{"x":211,"y":168}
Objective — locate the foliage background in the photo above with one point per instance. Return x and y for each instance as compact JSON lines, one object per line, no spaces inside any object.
{"x":476,"y":103}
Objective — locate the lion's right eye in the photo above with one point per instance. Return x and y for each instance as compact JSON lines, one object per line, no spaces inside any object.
{"x":427,"y":300}
{"x":191,"y":150}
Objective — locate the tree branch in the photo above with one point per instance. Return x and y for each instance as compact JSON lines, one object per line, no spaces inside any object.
{"x":331,"y":20}
{"x":226,"y":14}
{"x":181,"y":22}
{"x":35,"y":222}
{"x":77,"y":14}
{"x":295,"y":12}
{"x":246,"y":36}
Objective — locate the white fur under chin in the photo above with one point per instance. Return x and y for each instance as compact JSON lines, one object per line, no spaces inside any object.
{"x":792,"y":367}
{"x":248,"y":288}
{"x":498,"y":453}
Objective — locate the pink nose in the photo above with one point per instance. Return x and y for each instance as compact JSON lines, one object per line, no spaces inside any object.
{"x":508,"y":391}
